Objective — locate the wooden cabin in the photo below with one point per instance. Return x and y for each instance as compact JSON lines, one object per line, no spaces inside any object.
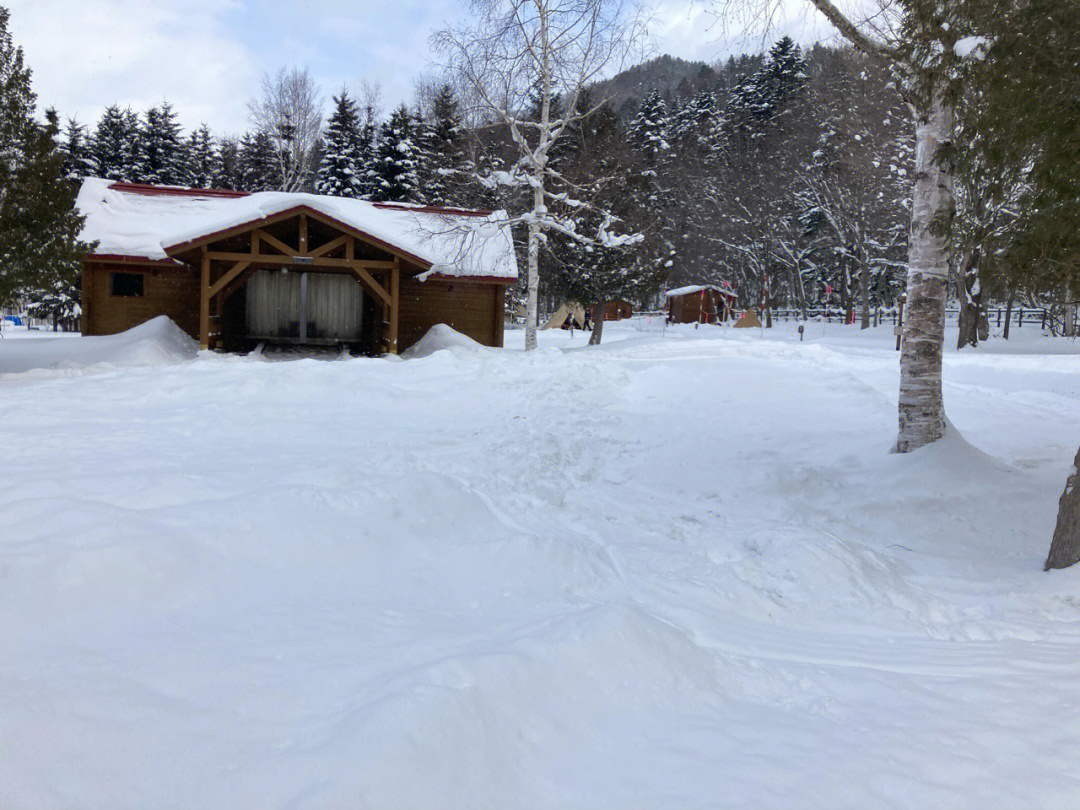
{"x":613,"y":310}
{"x":234,"y":269}
{"x":700,"y":303}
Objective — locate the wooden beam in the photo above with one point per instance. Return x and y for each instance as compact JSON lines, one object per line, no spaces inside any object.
{"x":274,"y":242}
{"x":333,"y":244}
{"x":395,"y":298}
{"x":358,"y":269}
{"x":368,"y":281}
{"x":303,"y":234}
{"x":204,"y":302}
{"x":319,"y":263}
{"x":223,"y":282}
{"x":238,"y":282}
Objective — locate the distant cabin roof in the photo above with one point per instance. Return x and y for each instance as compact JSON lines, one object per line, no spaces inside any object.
{"x":695,"y":288}
{"x":132,"y":220}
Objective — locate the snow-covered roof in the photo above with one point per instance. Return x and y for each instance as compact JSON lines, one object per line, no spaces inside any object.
{"x":694,"y":288}
{"x":147,"y":221}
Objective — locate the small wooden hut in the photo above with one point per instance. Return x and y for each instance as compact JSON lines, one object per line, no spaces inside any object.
{"x":233,"y":269}
{"x":700,"y":303}
{"x":613,"y":310}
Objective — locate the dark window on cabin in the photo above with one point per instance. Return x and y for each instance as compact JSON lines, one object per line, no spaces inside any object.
{"x":127,"y":285}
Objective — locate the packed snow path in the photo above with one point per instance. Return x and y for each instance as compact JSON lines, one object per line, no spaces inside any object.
{"x":680,"y":570}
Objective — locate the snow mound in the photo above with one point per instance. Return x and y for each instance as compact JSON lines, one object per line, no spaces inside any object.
{"x":438,"y":338}
{"x":157,"y":342}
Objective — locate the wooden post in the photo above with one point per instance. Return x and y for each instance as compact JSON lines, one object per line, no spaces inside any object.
{"x":303,"y":234}
{"x":500,"y":315}
{"x":900,"y":320}
{"x":204,"y":303}
{"x":395,"y":298}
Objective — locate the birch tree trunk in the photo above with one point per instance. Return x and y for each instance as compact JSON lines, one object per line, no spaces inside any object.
{"x":598,"y":325}
{"x":922,"y":412}
{"x":1065,"y":547}
{"x":532,"y":284}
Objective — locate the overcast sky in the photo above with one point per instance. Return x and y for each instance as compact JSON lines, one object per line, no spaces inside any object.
{"x":207,"y":56}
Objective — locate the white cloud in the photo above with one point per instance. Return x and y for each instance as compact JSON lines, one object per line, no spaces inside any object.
{"x":86,"y":56}
{"x":207,"y":56}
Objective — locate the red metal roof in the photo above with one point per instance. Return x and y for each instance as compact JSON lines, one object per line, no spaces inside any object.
{"x":435,"y":209}
{"x":175,"y":191}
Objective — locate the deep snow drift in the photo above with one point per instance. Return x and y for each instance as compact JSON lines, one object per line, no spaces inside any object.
{"x":680,"y":570}
{"x":157,"y":342}
{"x":439,"y":338}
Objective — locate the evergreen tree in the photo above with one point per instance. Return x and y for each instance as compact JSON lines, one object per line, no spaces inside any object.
{"x":161,"y":157}
{"x":697,"y":118}
{"x":649,"y":130}
{"x":441,"y":150}
{"x":202,"y":170}
{"x":396,"y":165}
{"x":115,"y":146}
{"x":229,"y":165}
{"x":58,"y":301}
{"x":339,"y":169}
{"x":39,"y":228}
{"x":783,"y":74}
{"x":596,"y":273}
{"x":767,"y":93}
{"x":75,"y":146}
{"x":367,"y":183}
{"x":258,"y":163}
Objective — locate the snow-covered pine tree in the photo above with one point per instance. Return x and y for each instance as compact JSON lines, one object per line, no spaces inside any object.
{"x":258,"y":162}
{"x":39,"y":227}
{"x":783,"y":74}
{"x":229,"y":164}
{"x":696,"y":118}
{"x":58,"y":301}
{"x":339,"y":172}
{"x":649,"y":185}
{"x":440,"y":172}
{"x":768,"y":91}
{"x":202,"y":165}
{"x":649,"y":130}
{"x":595,"y":274}
{"x":396,"y":166}
{"x":75,"y":146}
{"x":161,"y":158}
{"x":367,"y":181}
{"x":115,"y":144}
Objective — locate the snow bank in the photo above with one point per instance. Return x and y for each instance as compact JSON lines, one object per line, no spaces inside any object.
{"x":441,"y":337}
{"x":684,"y":572}
{"x":154,"y":343}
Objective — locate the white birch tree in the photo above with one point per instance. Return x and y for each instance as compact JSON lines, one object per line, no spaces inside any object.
{"x":517,"y":57}
{"x":289,"y":112}
{"x":908,"y":35}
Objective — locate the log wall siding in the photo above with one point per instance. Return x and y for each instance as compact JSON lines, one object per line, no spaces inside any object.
{"x":472,"y":308}
{"x":688,"y":308}
{"x":166,"y":291}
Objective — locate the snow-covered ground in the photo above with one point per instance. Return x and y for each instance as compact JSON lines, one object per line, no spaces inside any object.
{"x":679,"y":570}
